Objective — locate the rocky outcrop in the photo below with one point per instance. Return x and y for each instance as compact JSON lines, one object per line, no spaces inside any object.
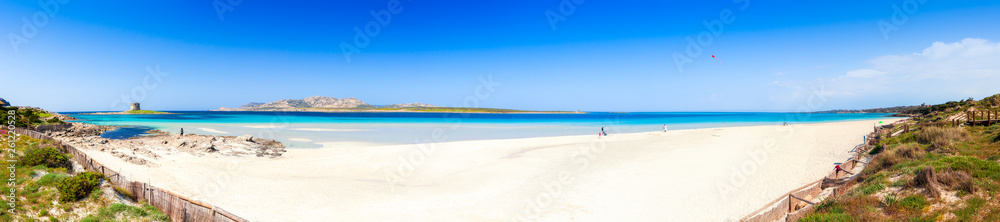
{"x":251,"y":105}
{"x":320,"y":102}
{"x":74,"y":129}
{"x":147,"y":150}
{"x":311,"y":102}
{"x":4,"y":102}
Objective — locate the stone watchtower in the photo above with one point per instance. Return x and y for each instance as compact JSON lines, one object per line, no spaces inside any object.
{"x":135,"y":106}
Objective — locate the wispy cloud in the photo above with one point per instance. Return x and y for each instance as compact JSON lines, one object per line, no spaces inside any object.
{"x":865,"y":73}
{"x":969,"y":58}
{"x":937,"y":73}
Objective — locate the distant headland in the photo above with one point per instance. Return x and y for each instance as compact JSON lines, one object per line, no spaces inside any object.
{"x":330,"y":104}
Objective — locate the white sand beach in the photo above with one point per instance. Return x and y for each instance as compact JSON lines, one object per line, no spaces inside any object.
{"x":210,"y":130}
{"x":330,"y":130}
{"x":714,"y":174}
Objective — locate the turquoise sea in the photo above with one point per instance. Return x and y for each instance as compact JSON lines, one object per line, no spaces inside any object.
{"x":308,"y":129}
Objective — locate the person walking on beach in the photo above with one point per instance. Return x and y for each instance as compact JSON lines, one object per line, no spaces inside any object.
{"x":605,"y":133}
{"x":841,"y":169}
{"x":182,"y":131}
{"x":664,"y":127}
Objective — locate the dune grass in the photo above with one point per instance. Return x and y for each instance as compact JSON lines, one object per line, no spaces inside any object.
{"x":41,"y":199}
{"x":928,"y":174}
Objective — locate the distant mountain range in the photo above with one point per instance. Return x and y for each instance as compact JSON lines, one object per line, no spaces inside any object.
{"x":317,"y":102}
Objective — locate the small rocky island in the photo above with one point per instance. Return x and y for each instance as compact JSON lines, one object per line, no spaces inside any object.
{"x":133,"y":109}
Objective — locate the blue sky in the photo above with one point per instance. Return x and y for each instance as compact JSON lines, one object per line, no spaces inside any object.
{"x":597,"y":56}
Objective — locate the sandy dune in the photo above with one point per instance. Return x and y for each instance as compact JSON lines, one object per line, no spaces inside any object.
{"x":685,"y":175}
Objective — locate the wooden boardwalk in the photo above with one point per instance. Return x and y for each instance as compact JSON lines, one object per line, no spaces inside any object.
{"x":982,"y":117}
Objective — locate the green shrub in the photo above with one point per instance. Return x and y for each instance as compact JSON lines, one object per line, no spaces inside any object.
{"x":47,"y":156}
{"x":914,"y":203}
{"x":51,"y":179}
{"x":891,"y":200}
{"x":96,"y":194}
{"x":74,"y":188}
{"x":970,"y":209}
{"x":124,"y":192}
{"x":977,"y":167}
{"x":872,"y":188}
{"x":940,"y":137}
{"x":113,"y":212}
{"x":90,"y":218}
{"x":155,"y":213}
{"x":878,"y":149}
{"x":54,"y":121}
{"x":832,"y":217}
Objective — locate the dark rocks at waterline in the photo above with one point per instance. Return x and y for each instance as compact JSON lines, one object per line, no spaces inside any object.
{"x":74,"y":129}
{"x":125,"y":132}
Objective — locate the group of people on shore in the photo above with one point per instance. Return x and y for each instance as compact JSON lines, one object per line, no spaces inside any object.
{"x":605,"y":133}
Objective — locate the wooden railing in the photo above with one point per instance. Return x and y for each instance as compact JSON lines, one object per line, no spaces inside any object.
{"x":797,"y":203}
{"x":984,"y":117}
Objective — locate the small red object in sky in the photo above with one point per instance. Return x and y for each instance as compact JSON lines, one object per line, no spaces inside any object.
{"x":716,"y":59}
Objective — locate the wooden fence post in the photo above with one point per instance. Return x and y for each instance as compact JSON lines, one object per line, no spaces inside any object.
{"x":791,"y":206}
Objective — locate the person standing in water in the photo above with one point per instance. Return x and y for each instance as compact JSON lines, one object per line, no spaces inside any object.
{"x":182,"y":131}
{"x":664,"y":127}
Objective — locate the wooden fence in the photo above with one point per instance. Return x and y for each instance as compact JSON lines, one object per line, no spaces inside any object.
{"x":982,"y":117}
{"x":795,"y":204}
{"x":176,"y":206}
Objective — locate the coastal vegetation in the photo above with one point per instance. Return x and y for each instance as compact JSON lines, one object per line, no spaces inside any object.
{"x":45,"y":190}
{"x":896,"y":109}
{"x":930,"y":170}
{"x":25,"y":117}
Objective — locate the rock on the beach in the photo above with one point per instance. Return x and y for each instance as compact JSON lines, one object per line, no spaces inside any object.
{"x":146,"y":150}
{"x":247,"y":137}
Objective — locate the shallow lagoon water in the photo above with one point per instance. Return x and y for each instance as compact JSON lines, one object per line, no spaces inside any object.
{"x":312,"y":129}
